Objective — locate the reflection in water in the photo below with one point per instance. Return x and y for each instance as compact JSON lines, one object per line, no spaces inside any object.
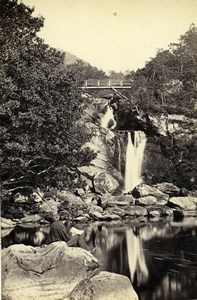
{"x":136,"y":258}
{"x":34,"y":236}
{"x":160,"y":258}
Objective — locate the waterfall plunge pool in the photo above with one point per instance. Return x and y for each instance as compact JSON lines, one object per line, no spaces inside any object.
{"x":160,"y":258}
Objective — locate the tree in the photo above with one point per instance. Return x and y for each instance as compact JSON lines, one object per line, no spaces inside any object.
{"x":40,"y":106}
{"x":83,"y":71}
{"x":168,"y":82}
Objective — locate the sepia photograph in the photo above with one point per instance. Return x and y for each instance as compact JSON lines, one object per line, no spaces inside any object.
{"x":98,"y":131}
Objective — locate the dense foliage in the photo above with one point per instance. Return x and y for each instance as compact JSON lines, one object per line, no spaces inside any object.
{"x":168,"y":82}
{"x":167,"y":85}
{"x":40,"y":106}
{"x":83,"y":71}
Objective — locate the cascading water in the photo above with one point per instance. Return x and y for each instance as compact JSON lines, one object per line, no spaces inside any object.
{"x":108,"y":121}
{"x":134,"y":159}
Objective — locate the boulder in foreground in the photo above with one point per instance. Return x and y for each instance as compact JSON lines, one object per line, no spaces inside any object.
{"x":104,"y":286}
{"x":186,"y":203}
{"x":49,"y":272}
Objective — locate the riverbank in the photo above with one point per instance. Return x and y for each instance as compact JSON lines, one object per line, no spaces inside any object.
{"x":158,"y":201}
{"x":148,"y":253}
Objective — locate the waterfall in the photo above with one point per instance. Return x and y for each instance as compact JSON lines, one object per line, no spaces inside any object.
{"x":134,"y":159}
{"x":107,"y":120}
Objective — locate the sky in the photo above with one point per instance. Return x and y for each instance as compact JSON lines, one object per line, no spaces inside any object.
{"x":115,"y":35}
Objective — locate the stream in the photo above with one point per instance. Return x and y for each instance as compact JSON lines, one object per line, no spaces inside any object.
{"x":159,"y":257}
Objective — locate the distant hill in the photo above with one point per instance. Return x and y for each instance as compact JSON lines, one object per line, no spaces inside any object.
{"x":70,"y":58}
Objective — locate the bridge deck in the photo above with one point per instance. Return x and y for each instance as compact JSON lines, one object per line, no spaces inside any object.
{"x":106,"y":84}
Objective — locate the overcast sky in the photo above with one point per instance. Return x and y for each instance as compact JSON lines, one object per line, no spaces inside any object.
{"x":114,"y":34}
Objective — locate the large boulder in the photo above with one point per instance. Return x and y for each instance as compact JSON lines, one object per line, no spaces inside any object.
{"x":31,"y":219}
{"x":186,"y":203}
{"x":7,"y":223}
{"x":135,"y":211}
{"x":148,"y":200}
{"x":104,"y":183}
{"x":49,"y":206}
{"x":49,"y":272}
{"x":74,"y":204}
{"x":168,"y":188}
{"x":70,"y":198}
{"x":122,"y":200}
{"x":143,"y":190}
{"x":104,"y":286}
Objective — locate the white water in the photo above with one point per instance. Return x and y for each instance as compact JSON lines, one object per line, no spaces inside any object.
{"x":134,"y":159}
{"x":136,"y":259}
{"x":107,"y":117}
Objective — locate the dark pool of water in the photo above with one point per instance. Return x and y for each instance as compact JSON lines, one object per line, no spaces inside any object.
{"x":160,"y":258}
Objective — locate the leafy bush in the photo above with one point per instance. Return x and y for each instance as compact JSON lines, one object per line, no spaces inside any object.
{"x":40,"y":106}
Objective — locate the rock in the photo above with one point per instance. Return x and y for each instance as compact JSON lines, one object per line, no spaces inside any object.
{"x":79,"y":192}
{"x":143,"y":190}
{"x":7,"y":223}
{"x":49,"y":272}
{"x":105,"y":183}
{"x":148,"y":200}
{"x":83,"y":218}
{"x":128,"y":198}
{"x":73,"y":203}
{"x":49,"y":206}
{"x":118,"y":203}
{"x":186,"y":203}
{"x":90,"y":198}
{"x":154,"y":213}
{"x":71,"y":199}
{"x":96,"y":215}
{"x":135,"y":211}
{"x":31,"y":219}
{"x":104,"y":286}
{"x":115,"y":210}
{"x":122,"y":200}
{"x":169,"y":212}
{"x":111,"y":217}
{"x":93,"y":207}
{"x":181,"y":213}
{"x":5,"y":232}
{"x":87,"y":183}
{"x":38,"y":196}
{"x":162,"y":209}
{"x":20,"y":198}
{"x":184,"y":192}
{"x":168,"y":188}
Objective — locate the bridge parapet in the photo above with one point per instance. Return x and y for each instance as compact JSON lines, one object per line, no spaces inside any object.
{"x":106,"y":83}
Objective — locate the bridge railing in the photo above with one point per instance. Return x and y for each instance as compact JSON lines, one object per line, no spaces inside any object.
{"x":106,"y":83}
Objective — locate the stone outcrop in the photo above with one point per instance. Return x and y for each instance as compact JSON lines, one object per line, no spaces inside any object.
{"x":104,"y":286}
{"x":50,"y":206}
{"x":143,"y":190}
{"x":49,"y":272}
{"x":179,"y":125}
{"x":147,"y":200}
{"x":57,"y":271}
{"x":7,"y":223}
{"x":105,"y":183}
{"x":121,"y":200}
{"x":185,"y":203}
{"x":168,"y":188}
{"x":135,"y":211}
{"x":31,"y":219}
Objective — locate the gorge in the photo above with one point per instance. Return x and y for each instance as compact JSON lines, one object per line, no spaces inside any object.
{"x":121,"y":166}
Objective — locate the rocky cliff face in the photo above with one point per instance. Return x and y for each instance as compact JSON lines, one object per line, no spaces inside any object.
{"x":169,"y":153}
{"x":105,"y":171}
